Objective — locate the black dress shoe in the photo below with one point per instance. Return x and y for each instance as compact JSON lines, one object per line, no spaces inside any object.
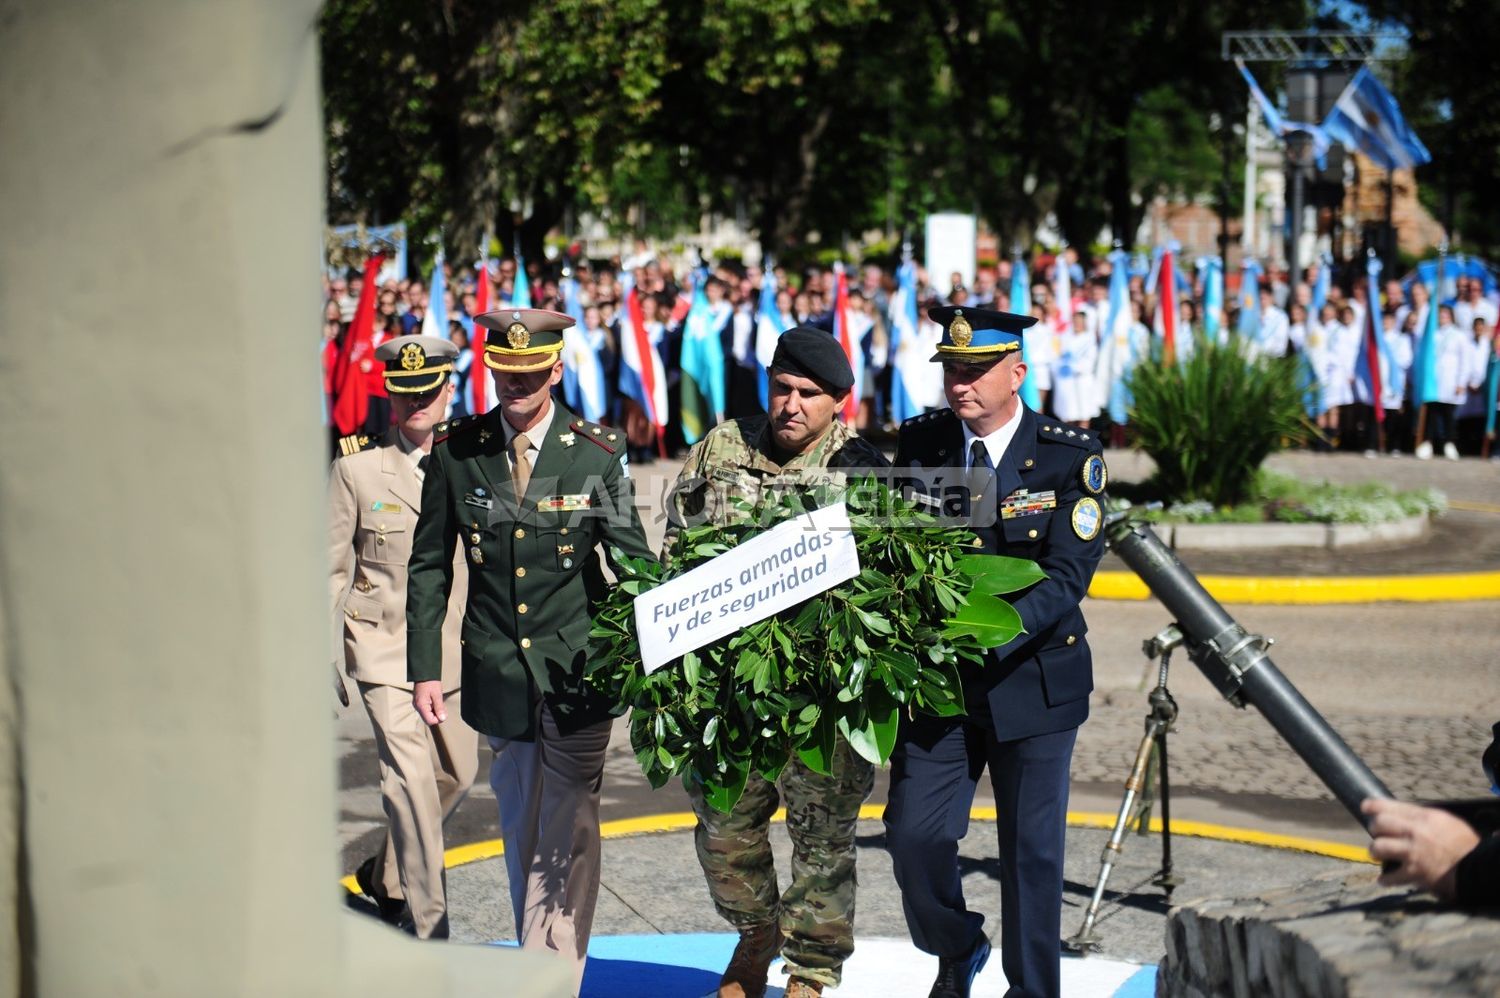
{"x":956,"y":976}
{"x":391,"y":909}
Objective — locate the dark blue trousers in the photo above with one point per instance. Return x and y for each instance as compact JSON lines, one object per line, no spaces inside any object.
{"x":934,"y":770}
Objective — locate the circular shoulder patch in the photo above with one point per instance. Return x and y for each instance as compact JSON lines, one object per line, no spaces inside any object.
{"x":1095,"y":476}
{"x":1086,"y":519}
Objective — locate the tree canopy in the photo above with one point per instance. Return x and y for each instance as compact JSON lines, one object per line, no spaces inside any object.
{"x":801,"y":117}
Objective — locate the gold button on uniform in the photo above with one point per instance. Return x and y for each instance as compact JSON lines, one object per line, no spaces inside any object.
{"x":354,"y":614}
{"x":1029,"y":462}
{"x":564,"y":530}
{"x":474,"y":537}
{"x":520,"y":533}
{"x":521,"y":572}
{"x":1072,"y":639}
{"x":520,"y":607}
{"x":978,"y":543}
{"x":525,"y":642}
{"x":380,"y":539}
{"x":1031,"y":533}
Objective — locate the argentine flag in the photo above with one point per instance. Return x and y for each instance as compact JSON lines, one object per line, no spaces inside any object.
{"x":1020,"y":304}
{"x":583,"y":375}
{"x":1213,"y":298}
{"x":905,"y":350}
{"x":435,"y":322}
{"x":1117,"y":348}
{"x":703,"y":366}
{"x":520,"y":295}
{"x":769,"y":325}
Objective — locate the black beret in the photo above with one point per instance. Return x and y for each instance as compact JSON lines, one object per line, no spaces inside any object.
{"x":813,"y":353}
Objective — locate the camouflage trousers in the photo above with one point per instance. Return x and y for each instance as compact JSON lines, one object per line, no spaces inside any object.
{"x":816,"y":913}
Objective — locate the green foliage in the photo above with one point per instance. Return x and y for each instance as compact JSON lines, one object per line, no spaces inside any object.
{"x":1278,"y":498}
{"x":1448,"y":91}
{"x":800,"y":116}
{"x":842,"y":664}
{"x":1210,"y":421}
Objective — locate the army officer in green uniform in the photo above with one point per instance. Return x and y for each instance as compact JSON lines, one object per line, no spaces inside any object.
{"x":527,"y":492}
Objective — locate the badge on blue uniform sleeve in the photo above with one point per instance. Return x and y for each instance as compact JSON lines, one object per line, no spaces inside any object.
{"x":1095,"y":477}
{"x":1086,"y":519}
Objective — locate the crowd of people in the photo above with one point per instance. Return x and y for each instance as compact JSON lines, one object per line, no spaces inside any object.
{"x":1076,"y":376}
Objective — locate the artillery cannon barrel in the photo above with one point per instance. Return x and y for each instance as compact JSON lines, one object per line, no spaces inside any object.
{"x":1237,"y":664}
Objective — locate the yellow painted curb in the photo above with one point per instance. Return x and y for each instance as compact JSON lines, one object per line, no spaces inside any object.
{"x":1303,"y":590}
{"x":679,"y":821}
{"x":1473,"y":507}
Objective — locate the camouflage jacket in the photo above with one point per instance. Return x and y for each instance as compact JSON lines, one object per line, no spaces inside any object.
{"x":733,"y":462}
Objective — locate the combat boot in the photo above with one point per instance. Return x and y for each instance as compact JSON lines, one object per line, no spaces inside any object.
{"x":801,"y":987}
{"x":751,"y":964}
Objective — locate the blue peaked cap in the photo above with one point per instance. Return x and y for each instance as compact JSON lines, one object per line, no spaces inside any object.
{"x":977,"y":333}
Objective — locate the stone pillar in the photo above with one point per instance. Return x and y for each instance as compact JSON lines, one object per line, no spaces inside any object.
{"x":166,"y":747}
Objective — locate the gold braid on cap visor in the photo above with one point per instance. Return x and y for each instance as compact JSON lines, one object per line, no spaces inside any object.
{"x":548,"y":353}
{"x":405,"y":387}
{"x":975,"y":351}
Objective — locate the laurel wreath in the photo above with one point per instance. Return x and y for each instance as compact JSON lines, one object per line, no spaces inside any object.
{"x":842,"y":664}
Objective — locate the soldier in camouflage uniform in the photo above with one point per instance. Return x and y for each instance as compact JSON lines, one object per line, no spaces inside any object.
{"x":799,"y":445}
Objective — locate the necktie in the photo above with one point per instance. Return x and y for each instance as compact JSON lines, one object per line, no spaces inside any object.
{"x":520,"y":466}
{"x":979,"y":457}
{"x":422,"y":463}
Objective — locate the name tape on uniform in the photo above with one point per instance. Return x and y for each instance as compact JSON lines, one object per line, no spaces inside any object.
{"x":787,"y":564}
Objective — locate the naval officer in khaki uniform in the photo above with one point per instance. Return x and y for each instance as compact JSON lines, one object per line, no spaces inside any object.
{"x":375,"y":494}
{"x":526,"y":494}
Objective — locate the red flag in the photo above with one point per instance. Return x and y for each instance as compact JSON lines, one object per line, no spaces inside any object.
{"x":1166,"y":303}
{"x":479,"y":375}
{"x":351,"y":401}
{"x":846,"y":340}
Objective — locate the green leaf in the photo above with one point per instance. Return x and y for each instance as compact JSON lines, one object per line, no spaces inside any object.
{"x":723,"y":792}
{"x":992,"y":621}
{"x":711,"y":730}
{"x":874,"y":739}
{"x":994,"y":573}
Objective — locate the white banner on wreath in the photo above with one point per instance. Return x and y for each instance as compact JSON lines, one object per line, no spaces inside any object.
{"x":791,"y":562}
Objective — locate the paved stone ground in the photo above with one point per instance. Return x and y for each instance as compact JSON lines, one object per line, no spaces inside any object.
{"x":652,"y":884}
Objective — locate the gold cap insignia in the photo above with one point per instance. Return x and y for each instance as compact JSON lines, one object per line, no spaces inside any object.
{"x":961,"y":332}
{"x":518,"y":336}
{"x":412,"y":357}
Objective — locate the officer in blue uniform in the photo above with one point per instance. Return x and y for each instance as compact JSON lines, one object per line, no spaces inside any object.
{"x":1030,"y":488}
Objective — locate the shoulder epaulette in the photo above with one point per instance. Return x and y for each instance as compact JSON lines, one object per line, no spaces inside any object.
{"x":936,"y":417}
{"x":443,"y":431}
{"x":1060,"y":434}
{"x":592,"y":432}
{"x":356,"y":442}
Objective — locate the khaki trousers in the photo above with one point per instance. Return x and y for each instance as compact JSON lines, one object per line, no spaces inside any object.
{"x":424,"y":775}
{"x":548,"y":797}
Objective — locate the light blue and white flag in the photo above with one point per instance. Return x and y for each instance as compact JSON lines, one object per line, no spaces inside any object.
{"x":435,"y":321}
{"x":1321,"y":284}
{"x":905,"y":351}
{"x":1117,"y":348}
{"x":1424,"y":377}
{"x":769,"y":325}
{"x":1282,"y":127}
{"x":1020,"y":304}
{"x":1366,"y":117}
{"x":702,"y":365}
{"x":583,"y":375}
{"x":520,"y":293}
{"x":1213,"y":297}
{"x":1249,"y":324}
